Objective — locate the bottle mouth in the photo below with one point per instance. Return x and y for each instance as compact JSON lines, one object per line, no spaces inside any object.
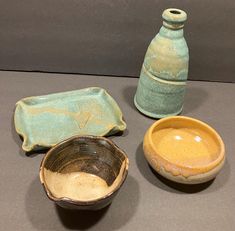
{"x":175,"y":11}
{"x":174,"y":18}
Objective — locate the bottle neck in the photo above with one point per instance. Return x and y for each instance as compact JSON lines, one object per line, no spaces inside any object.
{"x":171,"y":33}
{"x":173,"y":23}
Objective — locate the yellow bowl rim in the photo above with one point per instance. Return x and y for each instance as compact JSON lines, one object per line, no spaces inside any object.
{"x":200,"y":169}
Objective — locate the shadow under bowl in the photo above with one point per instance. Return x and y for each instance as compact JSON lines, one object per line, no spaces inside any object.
{"x":84,"y":172}
{"x":184,"y":150}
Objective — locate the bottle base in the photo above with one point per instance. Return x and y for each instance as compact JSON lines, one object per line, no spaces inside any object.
{"x":154,"y":115}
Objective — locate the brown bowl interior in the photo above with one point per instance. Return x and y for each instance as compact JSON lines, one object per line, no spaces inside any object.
{"x":84,"y":169}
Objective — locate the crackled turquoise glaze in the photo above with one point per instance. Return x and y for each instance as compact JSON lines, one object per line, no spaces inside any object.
{"x":44,"y":121}
{"x":161,"y":87}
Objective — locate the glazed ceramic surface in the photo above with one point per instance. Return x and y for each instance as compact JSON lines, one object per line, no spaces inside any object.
{"x":162,"y":82}
{"x":184,"y":149}
{"x":43,"y":121}
{"x":84,"y":172}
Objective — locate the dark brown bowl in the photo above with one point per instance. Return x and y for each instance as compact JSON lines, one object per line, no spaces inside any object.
{"x":83,"y":172}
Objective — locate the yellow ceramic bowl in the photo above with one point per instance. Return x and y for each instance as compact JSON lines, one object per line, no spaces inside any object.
{"x":184,"y":149}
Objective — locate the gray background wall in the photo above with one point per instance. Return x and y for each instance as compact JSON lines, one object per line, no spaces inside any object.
{"x":110,"y":37}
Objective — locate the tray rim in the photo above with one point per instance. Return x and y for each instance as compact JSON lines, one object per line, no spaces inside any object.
{"x":121,"y":126}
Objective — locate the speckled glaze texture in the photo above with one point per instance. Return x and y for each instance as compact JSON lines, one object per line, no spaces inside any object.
{"x":44,"y":121}
{"x":184,"y":149}
{"x":63,"y":167}
{"x":163,"y":77}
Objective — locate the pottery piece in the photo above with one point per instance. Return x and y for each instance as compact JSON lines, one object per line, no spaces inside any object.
{"x":84,"y":172}
{"x":184,"y":150}
{"x":44,"y":121}
{"x":161,"y":87}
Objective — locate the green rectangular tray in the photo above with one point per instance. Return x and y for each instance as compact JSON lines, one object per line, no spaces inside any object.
{"x":43,"y":121}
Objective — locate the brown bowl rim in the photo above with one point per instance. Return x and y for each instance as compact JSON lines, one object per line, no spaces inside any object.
{"x":78,"y":202}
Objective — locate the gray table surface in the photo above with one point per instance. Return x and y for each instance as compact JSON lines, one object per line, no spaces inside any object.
{"x":146,"y":201}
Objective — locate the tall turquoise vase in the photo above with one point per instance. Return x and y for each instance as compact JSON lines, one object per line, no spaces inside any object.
{"x":162,"y":82}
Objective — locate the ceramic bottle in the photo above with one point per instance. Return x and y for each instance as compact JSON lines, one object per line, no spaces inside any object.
{"x":162,"y":82}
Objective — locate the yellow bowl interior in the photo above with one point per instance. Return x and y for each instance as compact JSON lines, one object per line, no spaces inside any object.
{"x":186,"y":142}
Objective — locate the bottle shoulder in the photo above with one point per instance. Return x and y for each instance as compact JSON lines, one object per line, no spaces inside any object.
{"x":168,"y":47}
{"x":167,"y":58}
